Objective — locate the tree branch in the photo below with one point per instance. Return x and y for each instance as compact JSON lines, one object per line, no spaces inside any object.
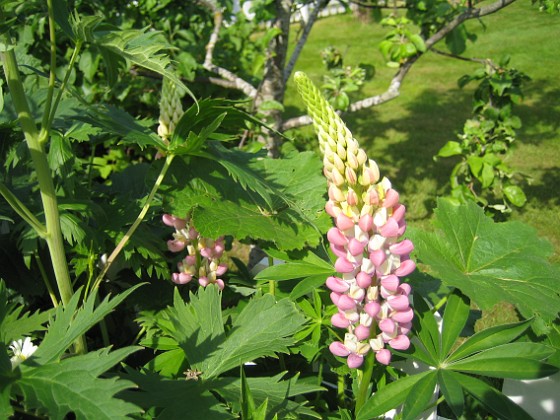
{"x":235,"y":81}
{"x":394,"y":86}
{"x":319,"y":4}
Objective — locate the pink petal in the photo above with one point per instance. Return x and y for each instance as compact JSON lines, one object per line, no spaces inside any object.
{"x":342,"y":265}
{"x":390,"y":282}
{"x":337,"y":285}
{"x":206,"y":252}
{"x":346,"y":303}
{"x":352,"y":198}
{"x":335,"y":297}
{"x":332,"y":209}
{"x":398,"y":213}
{"x":387,"y":326}
{"x":355,"y":360}
{"x":168,"y":219}
{"x":378,"y":257}
{"x":361,"y":332}
{"x":193,"y":234}
{"x":203,"y":281}
{"x":372,"y":309}
{"x":190,"y":260}
{"x":343,"y":222}
{"x":399,"y":302}
{"x":175,"y":245}
{"x":402,"y":230}
{"x":363,"y":280}
{"x":339,"y":251}
{"x":339,"y":320}
{"x":390,"y":229}
{"x":391,"y":199}
{"x":220,"y":284}
{"x":402,"y":248}
{"x":221,"y":270}
{"x":181,"y":278}
{"x":400,"y":342}
{"x":405,"y":289}
{"x":336,"y":237}
{"x":366,"y":222}
{"x":338,"y":349}
{"x":406,"y":267}
{"x":383,"y":356}
{"x":405,"y":328}
{"x":355,"y":247}
{"x":402,"y":317}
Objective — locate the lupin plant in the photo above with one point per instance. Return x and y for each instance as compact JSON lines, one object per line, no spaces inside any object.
{"x":203,"y":258}
{"x":373,"y":304}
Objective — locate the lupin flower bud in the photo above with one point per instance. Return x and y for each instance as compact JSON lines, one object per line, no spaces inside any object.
{"x":203,"y":260}
{"x":170,"y":109}
{"x":373,"y":305}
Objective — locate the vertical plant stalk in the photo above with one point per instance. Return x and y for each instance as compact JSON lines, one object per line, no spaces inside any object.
{"x":136,"y":223}
{"x":48,"y":194}
{"x":364,"y":376}
{"x":271,"y":283}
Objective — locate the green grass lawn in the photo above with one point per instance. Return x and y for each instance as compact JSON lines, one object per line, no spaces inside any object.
{"x":403,"y":135}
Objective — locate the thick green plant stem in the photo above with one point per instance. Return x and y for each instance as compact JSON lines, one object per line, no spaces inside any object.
{"x":136,"y":223}
{"x":46,"y":186}
{"x":364,"y":378}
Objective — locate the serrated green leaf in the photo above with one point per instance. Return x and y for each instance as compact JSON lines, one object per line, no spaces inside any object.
{"x":70,"y":322}
{"x":133,"y":131}
{"x":247,"y":401}
{"x":455,"y":317}
{"x":72,"y":386}
{"x":141,"y":47}
{"x":16,"y":324}
{"x":452,"y":391}
{"x":465,"y":253}
{"x":276,"y":390}
{"x":488,"y":338}
{"x":175,"y":399}
{"x":287,"y":216}
{"x":307,"y":285}
{"x":492,"y":399}
{"x":261,"y":329}
{"x":62,"y":17}
{"x":419,"y":396}
{"x":389,"y":397}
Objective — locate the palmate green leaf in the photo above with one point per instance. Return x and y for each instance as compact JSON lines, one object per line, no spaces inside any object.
{"x":455,"y":317}
{"x":491,"y":262}
{"x":70,"y":322}
{"x":309,"y":265}
{"x":427,"y":330}
{"x":504,"y":367}
{"x":276,"y":390}
{"x":263,"y":328}
{"x":419,"y":396}
{"x":389,"y":397}
{"x":488,"y":338}
{"x":288,"y":216}
{"x":452,"y":391}
{"x":492,"y":399}
{"x":175,"y":399}
{"x":72,"y":386}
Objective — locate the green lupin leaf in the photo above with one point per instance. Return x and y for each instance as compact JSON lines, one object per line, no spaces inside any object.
{"x":419,"y":396}
{"x":455,"y":317}
{"x":464,"y":253}
{"x":452,"y":391}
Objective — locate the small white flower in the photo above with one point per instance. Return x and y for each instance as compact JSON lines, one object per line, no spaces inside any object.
{"x":22,"y":349}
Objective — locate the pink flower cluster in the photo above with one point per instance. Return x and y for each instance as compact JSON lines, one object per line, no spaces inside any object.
{"x":372,"y":302}
{"x":203,"y":254}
